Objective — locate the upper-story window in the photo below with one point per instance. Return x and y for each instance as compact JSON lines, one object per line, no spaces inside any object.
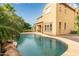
{"x":60,"y":7}
{"x":65,"y":11}
{"x":47,"y":10}
{"x":60,"y":4}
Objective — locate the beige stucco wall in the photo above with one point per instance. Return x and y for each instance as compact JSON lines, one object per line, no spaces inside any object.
{"x":68,"y":17}
{"x":49,"y":17}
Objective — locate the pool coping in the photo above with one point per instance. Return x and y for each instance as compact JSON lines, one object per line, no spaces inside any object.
{"x":73,"y":47}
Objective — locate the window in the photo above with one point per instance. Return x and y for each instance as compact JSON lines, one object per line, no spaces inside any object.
{"x":47,"y":10}
{"x":77,"y":13}
{"x":60,"y":7}
{"x":45,"y":27}
{"x":50,"y":27}
{"x":59,"y":25}
{"x":65,"y":11}
{"x":64,"y":26}
{"x":60,"y":3}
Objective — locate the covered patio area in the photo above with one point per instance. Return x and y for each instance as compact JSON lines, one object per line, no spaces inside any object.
{"x":39,"y":27}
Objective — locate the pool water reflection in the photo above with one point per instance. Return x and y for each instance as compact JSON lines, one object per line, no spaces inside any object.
{"x":36,"y":45}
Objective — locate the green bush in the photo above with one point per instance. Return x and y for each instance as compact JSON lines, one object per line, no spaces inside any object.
{"x":73,"y":32}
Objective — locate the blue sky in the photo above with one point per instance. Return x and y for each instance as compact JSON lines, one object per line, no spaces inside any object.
{"x":29,"y":11}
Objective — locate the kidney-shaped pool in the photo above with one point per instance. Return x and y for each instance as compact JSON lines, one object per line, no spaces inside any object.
{"x":37,"y":45}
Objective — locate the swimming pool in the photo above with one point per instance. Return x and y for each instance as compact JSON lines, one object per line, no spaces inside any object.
{"x":37,"y":45}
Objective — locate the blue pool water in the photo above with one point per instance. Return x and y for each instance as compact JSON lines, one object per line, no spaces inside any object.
{"x":36,"y":45}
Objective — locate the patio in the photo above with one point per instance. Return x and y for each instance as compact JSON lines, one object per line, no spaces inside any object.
{"x":73,"y":37}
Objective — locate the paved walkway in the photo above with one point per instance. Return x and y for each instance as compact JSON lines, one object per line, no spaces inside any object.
{"x":71,"y":37}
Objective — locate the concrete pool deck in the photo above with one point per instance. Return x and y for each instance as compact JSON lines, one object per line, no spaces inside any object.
{"x":73,"y":46}
{"x":73,"y":37}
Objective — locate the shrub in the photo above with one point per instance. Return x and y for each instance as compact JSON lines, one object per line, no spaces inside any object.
{"x":73,"y":32}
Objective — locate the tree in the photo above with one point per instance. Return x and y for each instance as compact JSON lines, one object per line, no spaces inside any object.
{"x":77,"y":23}
{"x":27,"y":25}
{"x":11,"y":25}
{"x":9,"y":8}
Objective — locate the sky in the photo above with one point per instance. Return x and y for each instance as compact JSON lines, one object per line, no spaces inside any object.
{"x":29,"y":11}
